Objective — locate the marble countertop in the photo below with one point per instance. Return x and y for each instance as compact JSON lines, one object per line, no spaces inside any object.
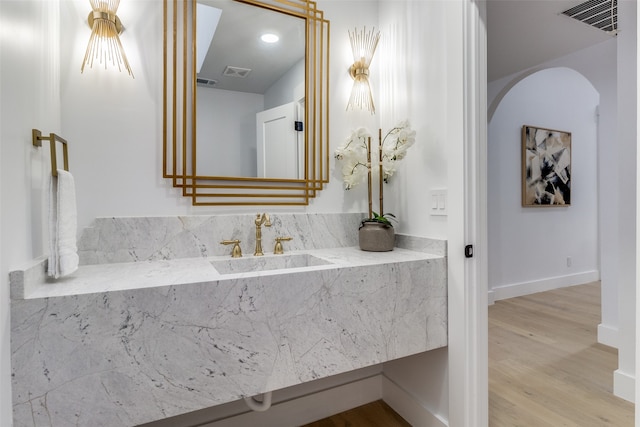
{"x":99,"y":278}
{"x":133,"y":342}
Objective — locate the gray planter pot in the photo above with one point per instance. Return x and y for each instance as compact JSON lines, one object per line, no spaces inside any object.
{"x":376,"y":237}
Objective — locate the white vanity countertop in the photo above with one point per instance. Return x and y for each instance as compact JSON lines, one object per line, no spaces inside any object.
{"x":133,"y":337}
{"x":130,"y":343}
{"x":146,"y":274}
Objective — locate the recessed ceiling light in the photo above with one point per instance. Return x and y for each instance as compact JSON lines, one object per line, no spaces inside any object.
{"x":269,"y":38}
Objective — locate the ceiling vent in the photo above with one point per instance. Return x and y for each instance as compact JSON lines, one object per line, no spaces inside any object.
{"x":230,"y":71}
{"x":601,"y":14}
{"x":206,"y":82}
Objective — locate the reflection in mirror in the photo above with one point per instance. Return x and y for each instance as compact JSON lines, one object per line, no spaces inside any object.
{"x":215,"y":111}
{"x":250,"y":92}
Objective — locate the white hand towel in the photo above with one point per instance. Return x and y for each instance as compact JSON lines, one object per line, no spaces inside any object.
{"x":63,"y":252}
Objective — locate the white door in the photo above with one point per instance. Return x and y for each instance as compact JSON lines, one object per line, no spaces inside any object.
{"x":278,"y":153}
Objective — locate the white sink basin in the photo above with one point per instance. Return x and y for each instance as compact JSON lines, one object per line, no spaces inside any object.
{"x":268,"y":262}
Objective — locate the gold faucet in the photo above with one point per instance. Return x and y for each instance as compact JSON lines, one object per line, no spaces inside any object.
{"x":236,"y":252}
{"x":260,"y":219}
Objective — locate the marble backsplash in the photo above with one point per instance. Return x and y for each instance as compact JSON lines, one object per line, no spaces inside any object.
{"x":126,"y":239}
{"x":129,"y":239}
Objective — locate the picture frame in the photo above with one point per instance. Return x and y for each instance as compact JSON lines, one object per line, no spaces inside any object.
{"x":546,"y":167}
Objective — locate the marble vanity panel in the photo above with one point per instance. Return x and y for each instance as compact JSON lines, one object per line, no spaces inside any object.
{"x":421,"y":244}
{"x":126,"y":239}
{"x":127,"y":357}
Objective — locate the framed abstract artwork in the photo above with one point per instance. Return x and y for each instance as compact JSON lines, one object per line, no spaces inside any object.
{"x":546,"y":167}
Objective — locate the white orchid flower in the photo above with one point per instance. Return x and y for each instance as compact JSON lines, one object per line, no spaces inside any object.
{"x":353,"y":153}
{"x":355,"y":145}
{"x":353,"y":172}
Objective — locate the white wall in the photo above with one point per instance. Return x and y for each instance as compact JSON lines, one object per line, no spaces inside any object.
{"x":417,"y":88}
{"x":114,"y":123}
{"x":288,"y":88}
{"x":428,"y":93}
{"x":529,"y":247}
{"x":5,"y":335}
{"x":226,"y":135}
{"x":30,"y":91}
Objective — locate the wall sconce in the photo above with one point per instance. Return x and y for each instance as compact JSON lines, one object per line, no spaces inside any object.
{"x":104,"y":44}
{"x":363,"y":45}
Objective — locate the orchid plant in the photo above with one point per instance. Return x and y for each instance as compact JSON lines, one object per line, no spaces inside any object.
{"x":355,"y":155}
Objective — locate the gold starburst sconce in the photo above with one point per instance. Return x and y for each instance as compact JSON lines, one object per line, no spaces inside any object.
{"x":363,"y":46}
{"x":104,"y":45}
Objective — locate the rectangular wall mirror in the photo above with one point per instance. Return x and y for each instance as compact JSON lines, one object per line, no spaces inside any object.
{"x":246,"y":117}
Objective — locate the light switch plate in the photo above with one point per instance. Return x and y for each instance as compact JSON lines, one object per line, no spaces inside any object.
{"x":439,"y":202}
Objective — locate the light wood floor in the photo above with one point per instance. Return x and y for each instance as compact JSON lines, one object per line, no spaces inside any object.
{"x":545,"y":367}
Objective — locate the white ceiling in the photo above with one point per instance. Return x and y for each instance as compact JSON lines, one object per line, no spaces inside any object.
{"x":236,"y":43}
{"x":525,"y":33}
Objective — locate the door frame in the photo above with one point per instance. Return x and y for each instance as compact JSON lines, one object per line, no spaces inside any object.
{"x":468,"y":287}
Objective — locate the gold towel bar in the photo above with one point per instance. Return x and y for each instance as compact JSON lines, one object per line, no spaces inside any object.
{"x":52,"y":138}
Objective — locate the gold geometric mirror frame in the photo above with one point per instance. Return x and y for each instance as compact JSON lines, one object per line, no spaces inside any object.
{"x":179,"y":113}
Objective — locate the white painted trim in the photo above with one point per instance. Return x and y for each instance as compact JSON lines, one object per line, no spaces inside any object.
{"x":624,"y":385}
{"x":460,"y":355}
{"x":550,"y":283}
{"x":310,"y":407}
{"x":468,"y":305}
{"x":636,"y":384}
{"x":608,"y":335}
{"x":408,"y":406}
{"x":491,"y":297}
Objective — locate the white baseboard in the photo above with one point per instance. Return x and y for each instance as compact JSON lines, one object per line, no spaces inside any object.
{"x":624,"y":385}
{"x":492,"y":297}
{"x":608,"y":335}
{"x":311,"y":407}
{"x":527,"y":288}
{"x":409,"y":408}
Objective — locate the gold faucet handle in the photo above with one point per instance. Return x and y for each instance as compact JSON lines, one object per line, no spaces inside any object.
{"x":278,"y":250}
{"x":236,"y":252}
